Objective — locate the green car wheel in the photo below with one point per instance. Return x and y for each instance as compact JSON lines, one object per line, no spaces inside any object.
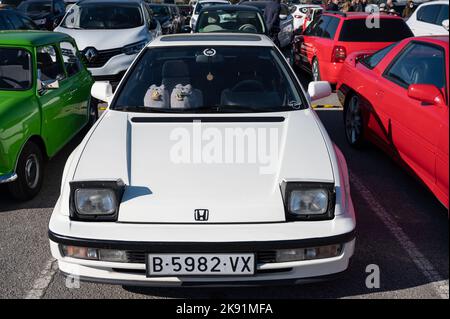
{"x":30,"y":173}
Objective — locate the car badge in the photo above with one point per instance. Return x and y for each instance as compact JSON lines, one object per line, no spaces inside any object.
{"x":201,"y":214}
{"x":209,"y":52}
{"x":90,"y":54}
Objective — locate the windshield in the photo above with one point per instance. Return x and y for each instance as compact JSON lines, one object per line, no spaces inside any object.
{"x":160,"y":10}
{"x":41,"y":6}
{"x":209,"y":79}
{"x":230,"y":21}
{"x":103,"y":16}
{"x":15,"y":69}
{"x":200,"y":6}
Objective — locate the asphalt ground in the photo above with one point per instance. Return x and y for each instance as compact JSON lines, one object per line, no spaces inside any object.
{"x":402,"y":229}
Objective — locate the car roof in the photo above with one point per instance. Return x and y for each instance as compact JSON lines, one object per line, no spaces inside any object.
{"x":437,"y":39}
{"x":213,"y":1}
{"x":110,"y":1}
{"x":434,"y":2}
{"x":31,"y":38}
{"x":357,"y":15}
{"x":208,"y":39}
{"x":231,"y":7}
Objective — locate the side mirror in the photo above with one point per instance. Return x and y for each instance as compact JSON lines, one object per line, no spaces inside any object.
{"x":47,"y":85}
{"x":445,"y":24}
{"x":102,"y":91}
{"x":283,"y":16}
{"x":426,"y":93}
{"x":186,"y":29}
{"x":319,"y":90}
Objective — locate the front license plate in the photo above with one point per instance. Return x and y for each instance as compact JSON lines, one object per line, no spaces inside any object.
{"x":200,"y":264}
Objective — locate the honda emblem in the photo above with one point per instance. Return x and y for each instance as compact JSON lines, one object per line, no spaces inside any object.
{"x":201,"y":215}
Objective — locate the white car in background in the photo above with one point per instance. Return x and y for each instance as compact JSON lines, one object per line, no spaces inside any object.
{"x":303,"y":11}
{"x":109,"y":34}
{"x":430,"y":18}
{"x":208,"y":167}
{"x":199,"y":5}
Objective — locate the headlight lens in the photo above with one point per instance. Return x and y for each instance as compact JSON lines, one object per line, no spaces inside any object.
{"x":134,"y":48}
{"x":95,"y":201}
{"x":308,"y":201}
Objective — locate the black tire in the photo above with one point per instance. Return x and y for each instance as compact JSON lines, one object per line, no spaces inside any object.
{"x":353,"y":121}
{"x":30,"y":173}
{"x":315,"y":70}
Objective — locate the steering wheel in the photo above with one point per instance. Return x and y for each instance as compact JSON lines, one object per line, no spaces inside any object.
{"x":248,"y":28}
{"x":14,"y":81}
{"x":248,"y":86}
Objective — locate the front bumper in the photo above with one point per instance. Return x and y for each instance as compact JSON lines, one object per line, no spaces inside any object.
{"x":7,"y":178}
{"x":133,"y":273}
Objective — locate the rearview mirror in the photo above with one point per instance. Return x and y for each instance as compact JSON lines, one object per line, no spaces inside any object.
{"x":426,"y":93}
{"x":319,"y":90}
{"x":102,"y":91}
{"x":445,"y":24}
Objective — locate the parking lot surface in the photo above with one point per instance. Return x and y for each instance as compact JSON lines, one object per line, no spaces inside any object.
{"x":401,"y":228}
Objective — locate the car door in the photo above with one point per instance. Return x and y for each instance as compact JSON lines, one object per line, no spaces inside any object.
{"x":427,"y":20}
{"x":414,"y":128}
{"x":286,"y":26}
{"x":312,"y":33}
{"x":58,"y":110}
{"x":79,"y":82}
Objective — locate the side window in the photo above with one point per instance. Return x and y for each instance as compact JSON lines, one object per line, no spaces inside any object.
{"x":49,"y":64}
{"x":443,"y":14}
{"x":428,"y":14}
{"x":28,"y":23}
{"x":70,"y":57}
{"x":284,"y":10}
{"x":16,"y":22}
{"x":4,"y":23}
{"x":420,"y":63}
{"x":330,"y":29}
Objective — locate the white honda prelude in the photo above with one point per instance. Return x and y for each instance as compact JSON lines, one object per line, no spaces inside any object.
{"x":209,"y":167}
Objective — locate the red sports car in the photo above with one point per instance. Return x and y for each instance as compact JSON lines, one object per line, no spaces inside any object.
{"x":328,"y":40}
{"x":398,"y":98}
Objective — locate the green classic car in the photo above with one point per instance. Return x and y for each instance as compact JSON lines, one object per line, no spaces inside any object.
{"x":44,"y":101}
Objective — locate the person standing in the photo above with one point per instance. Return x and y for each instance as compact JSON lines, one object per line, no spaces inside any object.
{"x":409,"y":9}
{"x":333,"y":5}
{"x":357,"y":6}
{"x":272,"y":17}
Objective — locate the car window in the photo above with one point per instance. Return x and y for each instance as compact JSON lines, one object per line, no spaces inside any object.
{"x":49,"y":64}
{"x":71,"y":58}
{"x":4,"y":23}
{"x":221,"y":79}
{"x":15,"y":69}
{"x":443,"y":14}
{"x":17,"y":22}
{"x":389,"y":30}
{"x":103,"y":16}
{"x":230,"y":21}
{"x":420,"y":63}
{"x":159,"y":10}
{"x":28,"y":23}
{"x":373,"y":60}
{"x":429,"y":13}
{"x":317,"y":27}
{"x":330,"y":28}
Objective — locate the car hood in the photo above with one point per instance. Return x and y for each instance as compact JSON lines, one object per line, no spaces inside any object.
{"x":140,"y":151}
{"x":106,"y":39}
